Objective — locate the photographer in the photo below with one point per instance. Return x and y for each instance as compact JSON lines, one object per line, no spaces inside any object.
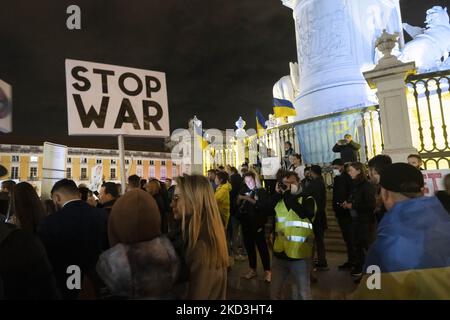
{"x":347,"y":148}
{"x":252,"y":206}
{"x":294,"y":236}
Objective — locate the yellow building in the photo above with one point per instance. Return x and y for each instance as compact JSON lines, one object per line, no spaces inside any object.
{"x":24,"y":163}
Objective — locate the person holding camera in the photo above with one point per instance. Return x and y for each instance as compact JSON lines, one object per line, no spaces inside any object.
{"x":252,"y":206}
{"x":347,"y":148}
{"x":294,"y":236}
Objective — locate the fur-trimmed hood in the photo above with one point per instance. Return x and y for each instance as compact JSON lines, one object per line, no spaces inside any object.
{"x":144,"y":270}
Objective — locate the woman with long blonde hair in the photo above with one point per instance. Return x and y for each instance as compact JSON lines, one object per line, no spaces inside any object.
{"x":206,"y":251}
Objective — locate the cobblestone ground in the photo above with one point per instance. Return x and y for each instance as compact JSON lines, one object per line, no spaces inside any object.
{"x":332,"y":284}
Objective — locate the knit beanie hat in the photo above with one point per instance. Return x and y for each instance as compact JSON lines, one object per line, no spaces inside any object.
{"x":134,"y":218}
{"x":402,"y":178}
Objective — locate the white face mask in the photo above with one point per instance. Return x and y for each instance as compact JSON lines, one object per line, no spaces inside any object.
{"x":336,"y":172}
{"x":295,"y":189}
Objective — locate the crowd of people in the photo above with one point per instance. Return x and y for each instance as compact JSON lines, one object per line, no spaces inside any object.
{"x":179,"y":239}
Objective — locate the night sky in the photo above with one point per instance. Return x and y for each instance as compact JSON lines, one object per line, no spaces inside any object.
{"x":221,"y":58}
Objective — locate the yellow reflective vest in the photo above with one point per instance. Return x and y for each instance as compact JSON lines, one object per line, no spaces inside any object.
{"x":294,"y":236}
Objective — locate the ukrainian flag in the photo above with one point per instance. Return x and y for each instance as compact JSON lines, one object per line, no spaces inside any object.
{"x":260,"y":123}
{"x":283,"y":108}
{"x":199,"y":135}
{"x":412,"y":250}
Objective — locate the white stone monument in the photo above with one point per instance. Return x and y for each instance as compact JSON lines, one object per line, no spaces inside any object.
{"x":335,"y":43}
{"x":430,"y":46}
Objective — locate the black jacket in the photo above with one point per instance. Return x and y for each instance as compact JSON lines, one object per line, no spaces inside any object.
{"x":25,"y":272}
{"x":253,"y":215}
{"x":349,"y":152}
{"x":363,"y":201}
{"x":342,"y":188}
{"x":164,"y":209}
{"x":236,"y":186}
{"x":74,"y":235}
{"x":316,"y":189}
{"x":107,"y":206}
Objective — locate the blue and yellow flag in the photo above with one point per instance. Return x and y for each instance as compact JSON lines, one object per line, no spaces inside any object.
{"x":412,"y":251}
{"x":283,"y":108}
{"x":260,"y":123}
{"x":199,"y":135}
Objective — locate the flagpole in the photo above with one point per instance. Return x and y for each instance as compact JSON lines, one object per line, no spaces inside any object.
{"x":122,"y":163}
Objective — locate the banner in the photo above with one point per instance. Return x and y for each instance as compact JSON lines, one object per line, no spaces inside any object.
{"x":112,"y":100}
{"x":53,"y":167}
{"x":5,"y":107}
{"x":270,"y":166}
{"x":317,"y":138}
{"x":434,"y":180}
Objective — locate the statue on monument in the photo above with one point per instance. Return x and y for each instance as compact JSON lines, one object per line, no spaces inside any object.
{"x":430,"y":46}
{"x":287,"y":87}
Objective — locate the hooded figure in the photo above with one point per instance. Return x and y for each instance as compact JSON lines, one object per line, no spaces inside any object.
{"x":141,"y":264}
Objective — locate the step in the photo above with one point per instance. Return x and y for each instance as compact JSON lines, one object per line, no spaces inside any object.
{"x":333,"y":228}
{"x":331,"y":240}
{"x":333,"y":235}
{"x":334,"y":245}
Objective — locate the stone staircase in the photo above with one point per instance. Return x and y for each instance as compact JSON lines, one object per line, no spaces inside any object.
{"x":333,"y":235}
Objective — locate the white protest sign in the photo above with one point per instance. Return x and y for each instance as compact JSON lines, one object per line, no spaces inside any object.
{"x":270,"y":166}
{"x":5,"y":107}
{"x":105,"y":99}
{"x":53,"y":167}
{"x":434,"y":180}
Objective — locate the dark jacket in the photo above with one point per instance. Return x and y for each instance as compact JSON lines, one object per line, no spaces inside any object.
{"x":317,"y":190}
{"x":107,"y":206}
{"x":254,"y":215}
{"x":444,"y":198}
{"x":144,"y":270}
{"x":74,"y":235}
{"x":25,"y":272}
{"x":305,"y":182}
{"x":363,"y":201}
{"x":170,"y":193}
{"x":380,"y":209}
{"x":236,"y":186}
{"x":342,"y":188}
{"x":164,"y":209}
{"x":349,"y":152}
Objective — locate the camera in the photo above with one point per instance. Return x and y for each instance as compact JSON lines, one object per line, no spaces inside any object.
{"x":282,"y":186}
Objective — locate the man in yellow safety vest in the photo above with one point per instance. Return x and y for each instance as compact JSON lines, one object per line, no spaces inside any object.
{"x":294,"y":237}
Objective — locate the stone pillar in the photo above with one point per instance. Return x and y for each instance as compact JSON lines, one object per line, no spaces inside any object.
{"x":388,"y":77}
{"x":240,"y":141}
{"x":335,"y":43}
